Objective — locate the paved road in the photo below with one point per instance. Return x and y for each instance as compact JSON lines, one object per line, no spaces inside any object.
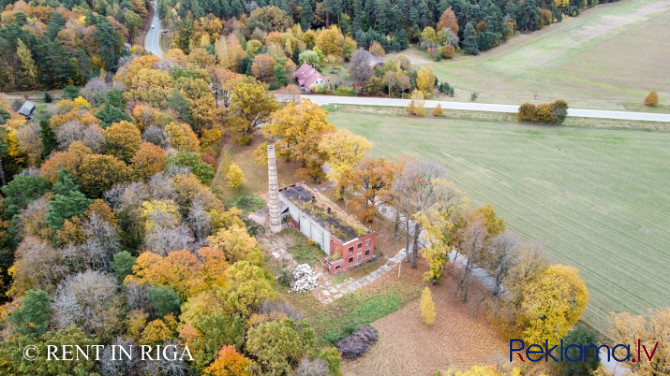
{"x":470,"y":106}
{"x":152,"y":41}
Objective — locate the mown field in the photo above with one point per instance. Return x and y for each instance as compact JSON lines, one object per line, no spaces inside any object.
{"x":596,"y":199}
{"x":609,"y":57}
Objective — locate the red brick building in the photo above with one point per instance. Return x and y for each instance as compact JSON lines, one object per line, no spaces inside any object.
{"x":344,"y":240}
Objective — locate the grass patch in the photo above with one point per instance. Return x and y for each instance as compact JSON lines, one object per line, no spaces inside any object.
{"x":355,"y":309}
{"x":361,"y":271}
{"x":304,"y":251}
{"x":249,"y":204}
{"x":579,"y":60}
{"x":595,"y":198}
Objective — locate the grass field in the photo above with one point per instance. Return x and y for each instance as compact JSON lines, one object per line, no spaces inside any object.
{"x":597,"y":199}
{"x":609,"y":57}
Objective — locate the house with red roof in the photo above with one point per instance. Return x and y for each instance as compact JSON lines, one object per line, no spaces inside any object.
{"x":309,"y":78}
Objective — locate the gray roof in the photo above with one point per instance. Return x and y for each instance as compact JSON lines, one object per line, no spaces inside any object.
{"x":27,"y":108}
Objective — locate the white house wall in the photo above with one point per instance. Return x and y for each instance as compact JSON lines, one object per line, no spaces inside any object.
{"x":308,"y":226}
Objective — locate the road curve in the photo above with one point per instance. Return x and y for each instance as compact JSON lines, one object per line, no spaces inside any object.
{"x":487,"y":107}
{"x":152,"y":43}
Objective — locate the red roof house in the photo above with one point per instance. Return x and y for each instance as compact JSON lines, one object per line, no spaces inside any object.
{"x":308,"y":77}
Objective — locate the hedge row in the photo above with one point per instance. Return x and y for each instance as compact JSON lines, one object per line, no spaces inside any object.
{"x":552,"y":113}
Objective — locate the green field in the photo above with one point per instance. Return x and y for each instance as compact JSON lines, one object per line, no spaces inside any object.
{"x":598,"y":199}
{"x":609,"y":57}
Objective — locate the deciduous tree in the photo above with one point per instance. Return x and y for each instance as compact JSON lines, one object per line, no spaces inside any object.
{"x":122,"y":140}
{"x":427,"y":307}
{"x":250,"y":105}
{"x":344,"y":151}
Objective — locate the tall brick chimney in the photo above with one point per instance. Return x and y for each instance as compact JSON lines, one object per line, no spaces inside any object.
{"x":273,"y":194}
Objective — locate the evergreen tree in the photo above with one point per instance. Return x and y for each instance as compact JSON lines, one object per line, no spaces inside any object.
{"x":70,"y":92}
{"x":66,"y":207}
{"x":306,"y":15}
{"x":178,"y":103}
{"x":470,"y":40}
{"x":32,"y":319}
{"x":47,"y":97}
{"x":48,"y":137}
{"x":281,"y":78}
{"x":586,"y":339}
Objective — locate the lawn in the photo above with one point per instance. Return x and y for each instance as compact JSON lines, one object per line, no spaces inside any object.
{"x":597,"y":199}
{"x":609,"y":57}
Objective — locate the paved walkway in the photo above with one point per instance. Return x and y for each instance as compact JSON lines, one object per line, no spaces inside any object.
{"x":329,"y":292}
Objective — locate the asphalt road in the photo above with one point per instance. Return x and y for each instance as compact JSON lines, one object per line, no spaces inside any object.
{"x":488,"y":107}
{"x":152,"y":41}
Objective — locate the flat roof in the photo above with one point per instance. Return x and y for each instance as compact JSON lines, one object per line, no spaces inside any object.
{"x":340,"y":224}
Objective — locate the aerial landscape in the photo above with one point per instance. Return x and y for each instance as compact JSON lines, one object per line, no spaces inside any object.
{"x":335,"y":187}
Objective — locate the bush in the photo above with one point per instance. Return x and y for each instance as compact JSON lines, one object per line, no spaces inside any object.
{"x":651,"y":100}
{"x":444,"y":87}
{"x":526,"y":112}
{"x":70,"y":92}
{"x":345,"y":91}
{"x":449,"y":51}
{"x":437,"y":111}
{"x":357,"y":343}
{"x":474,"y":96}
{"x":550,"y":113}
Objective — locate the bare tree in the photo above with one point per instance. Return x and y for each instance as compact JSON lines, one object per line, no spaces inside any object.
{"x":90,"y":301}
{"x":93,"y":137}
{"x":102,"y":240}
{"x":165,"y":240}
{"x":199,"y":220}
{"x":68,"y":133}
{"x":474,"y":241}
{"x":133,"y":196}
{"x":155,"y":135}
{"x":415,"y":192}
{"x":360,"y":67}
{"x":162,"y":188}
{"x":499,"y":258}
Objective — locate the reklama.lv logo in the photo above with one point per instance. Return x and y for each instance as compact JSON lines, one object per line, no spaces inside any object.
{"x":536,"y":353}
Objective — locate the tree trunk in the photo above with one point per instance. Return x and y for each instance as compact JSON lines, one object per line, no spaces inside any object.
{"x":396,"y":226}
{"x":3,"y":179}
{"x":415,"y":248}
{"x":407,"y":238}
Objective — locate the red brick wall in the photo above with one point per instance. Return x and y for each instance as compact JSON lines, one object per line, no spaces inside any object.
{"x":358,"y":247}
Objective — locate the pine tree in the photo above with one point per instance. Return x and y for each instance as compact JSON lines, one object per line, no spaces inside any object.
{"x":48,"y":137}
{"x":47,"y":97}
{"x":470,"y":40}
{"x":427,"y":306}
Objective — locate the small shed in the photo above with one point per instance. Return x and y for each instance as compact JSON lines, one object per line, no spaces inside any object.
{"x":27,"y":109}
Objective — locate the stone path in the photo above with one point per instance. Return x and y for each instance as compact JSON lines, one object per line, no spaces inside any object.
{"x":329,"y":292}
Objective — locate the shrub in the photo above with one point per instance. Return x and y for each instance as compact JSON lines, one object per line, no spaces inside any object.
{"x":47,"y":97}
{"x":449,"y":51}
{"x":526,"y":112}
{"x":474,"y":96}
{"x":427,"y":307}
{"x":560,"y":110}
{"x":70,"y":92}
{"x":345,"y":91}
{"x":651,"y":100}
{"x":437,"y":111}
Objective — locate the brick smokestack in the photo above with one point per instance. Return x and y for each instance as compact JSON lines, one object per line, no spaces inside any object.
{"x":273,"y":193}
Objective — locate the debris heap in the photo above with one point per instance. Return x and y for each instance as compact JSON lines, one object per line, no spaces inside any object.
{"x":356,"y":344}
{"x":304,"y":278}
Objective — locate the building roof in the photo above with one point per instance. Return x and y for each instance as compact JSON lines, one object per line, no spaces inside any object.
{"x":27,"y":108}
{"x":324,"y":211}
{"x":307,"y":75}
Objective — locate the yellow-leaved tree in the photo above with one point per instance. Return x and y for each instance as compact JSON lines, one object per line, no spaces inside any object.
{"x":235,"y":176}
{"x":552,"y":304}
{"x":299,"y":129}
{"x":344,"y":150}
{"x":427,"y":306}
{"x":425,"y":81}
